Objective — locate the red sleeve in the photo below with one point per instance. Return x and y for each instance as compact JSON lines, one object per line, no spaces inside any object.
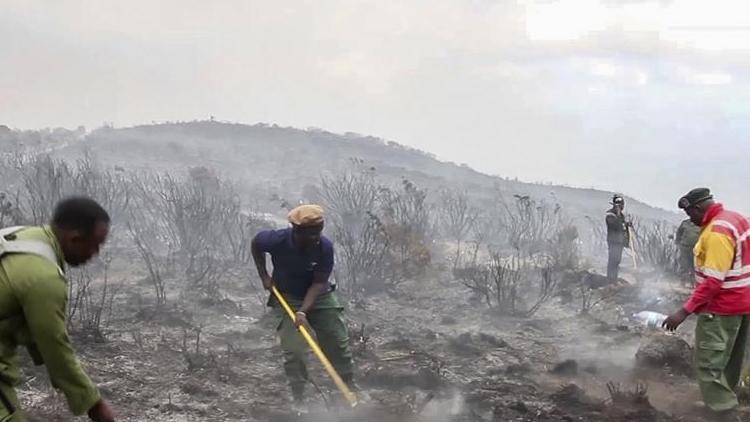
{"x":703,"y":294}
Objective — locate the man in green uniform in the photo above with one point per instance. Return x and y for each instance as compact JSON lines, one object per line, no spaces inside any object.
{"x":686,"y":237}
{"x":302,"y":264}
{"x":33,"y":298}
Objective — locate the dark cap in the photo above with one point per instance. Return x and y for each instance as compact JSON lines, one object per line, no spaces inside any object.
{"x":618,"y":199}
{"x":694,"y":197}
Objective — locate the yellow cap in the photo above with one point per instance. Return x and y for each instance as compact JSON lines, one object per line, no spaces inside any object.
{"x":306,"y":215}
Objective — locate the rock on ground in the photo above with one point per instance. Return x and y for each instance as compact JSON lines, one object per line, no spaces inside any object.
{"x":665,"y":351}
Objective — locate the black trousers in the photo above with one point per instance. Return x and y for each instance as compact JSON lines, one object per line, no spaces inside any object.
{"x":613,"y":263}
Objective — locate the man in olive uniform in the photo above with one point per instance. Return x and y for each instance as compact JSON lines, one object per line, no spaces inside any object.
{"x":686,"y":237}
{"x":302,"y":264}
{"x":33,"y":297}
{"x":618,"y":235}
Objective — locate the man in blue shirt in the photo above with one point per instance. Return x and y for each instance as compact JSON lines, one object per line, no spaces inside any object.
{"x":302,"y":261}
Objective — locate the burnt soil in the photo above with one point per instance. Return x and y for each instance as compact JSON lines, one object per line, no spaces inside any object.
{"x":425,"y":351}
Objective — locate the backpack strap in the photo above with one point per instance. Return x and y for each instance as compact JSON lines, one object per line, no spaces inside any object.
{"x":8,"y":245}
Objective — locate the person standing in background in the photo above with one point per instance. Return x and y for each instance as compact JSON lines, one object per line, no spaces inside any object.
{"x":686,"y":238}
{"x":618,"y":236}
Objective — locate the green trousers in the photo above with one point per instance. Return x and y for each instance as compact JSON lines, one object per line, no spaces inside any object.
{"x":719,"y":350}
{"x":327,"y":321}
{"x":14,"y":414}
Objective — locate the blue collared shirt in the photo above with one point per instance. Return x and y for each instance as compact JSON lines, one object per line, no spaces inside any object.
{"x":292,"y":268}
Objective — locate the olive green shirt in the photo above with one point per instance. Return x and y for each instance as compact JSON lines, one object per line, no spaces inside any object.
{"x":33,"y":300}
{"x":687,"y":234}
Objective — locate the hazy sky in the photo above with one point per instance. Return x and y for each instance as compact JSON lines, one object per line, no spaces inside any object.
{"x":646,"y":97}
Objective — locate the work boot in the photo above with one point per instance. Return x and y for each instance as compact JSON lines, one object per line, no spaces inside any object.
{"x":299,"y":407}
{"x":298,"y":400}
{"x":361,"y":395}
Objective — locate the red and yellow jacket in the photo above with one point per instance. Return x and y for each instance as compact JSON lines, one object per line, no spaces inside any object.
{"x":722,"y":264}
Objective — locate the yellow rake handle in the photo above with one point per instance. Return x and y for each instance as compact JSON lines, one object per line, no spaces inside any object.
{"x":350,"y":397}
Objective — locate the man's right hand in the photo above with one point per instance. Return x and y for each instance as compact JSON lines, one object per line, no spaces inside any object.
{"x":675,"y":320}
{"x":101,"y":412}
{"x":267,"y":283}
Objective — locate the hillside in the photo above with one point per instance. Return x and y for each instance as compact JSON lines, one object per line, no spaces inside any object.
{"x":185,"y":335}
{"x":281,"y":160}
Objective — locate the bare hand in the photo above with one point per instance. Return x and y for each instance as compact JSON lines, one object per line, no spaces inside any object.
{"x":267,"y":283}
{"x":300,"y":318}
{"x":101,"y":412}
{"x":675,"y":320}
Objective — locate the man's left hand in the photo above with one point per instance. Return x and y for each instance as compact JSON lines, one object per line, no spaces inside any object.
{"x":101,"y":412}
{"x":300,"y":318}
{"x":675,"y":320}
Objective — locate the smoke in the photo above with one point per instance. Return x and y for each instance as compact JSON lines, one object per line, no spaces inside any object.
{"x":425,"y":408}
{"x":589,"y":350}
{"x":439,"y":410}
